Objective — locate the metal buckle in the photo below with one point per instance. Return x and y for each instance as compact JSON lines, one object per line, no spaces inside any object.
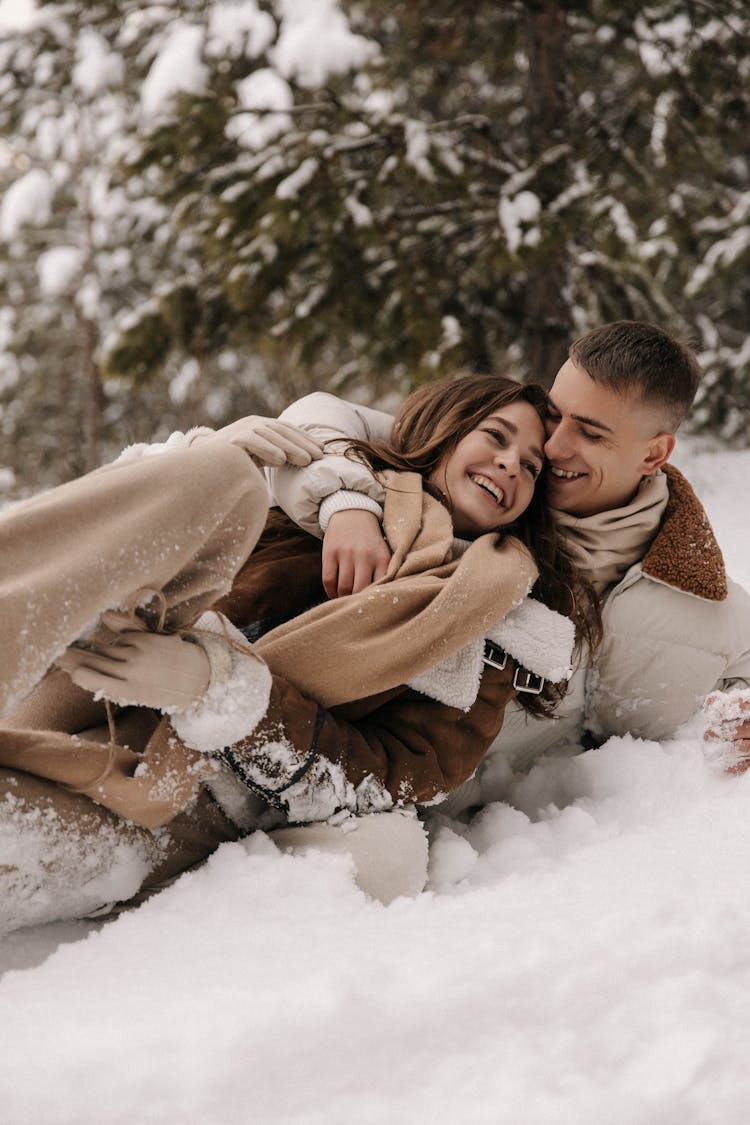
{"x":532,"y":684}
{"x":495,"y":656}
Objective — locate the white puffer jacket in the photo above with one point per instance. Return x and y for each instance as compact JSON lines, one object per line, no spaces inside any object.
{"x":675,"y":628}
{"x":300,"y":492}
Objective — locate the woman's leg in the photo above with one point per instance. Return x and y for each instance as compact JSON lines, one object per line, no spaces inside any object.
{"x":182,"y":523}
{"x":64,"y":857}
{"x":56,"y":703}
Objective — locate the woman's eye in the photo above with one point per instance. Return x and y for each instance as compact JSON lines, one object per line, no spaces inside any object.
{"x":499,"y":437}
{"x":532,"y":467}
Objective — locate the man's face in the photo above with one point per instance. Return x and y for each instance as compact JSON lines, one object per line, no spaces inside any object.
{"x":599,"y":444}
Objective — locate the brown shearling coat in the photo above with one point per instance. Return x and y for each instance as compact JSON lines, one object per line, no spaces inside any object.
{"x":413,"y":747}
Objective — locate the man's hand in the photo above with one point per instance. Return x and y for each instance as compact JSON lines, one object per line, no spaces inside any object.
{"x":355,"y":554}
{"x":148,"y":669}
{"x":727,"y":730}
{"x":269,"y":442}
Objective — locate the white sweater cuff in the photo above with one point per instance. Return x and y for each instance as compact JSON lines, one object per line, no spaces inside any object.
{"x":238,"y":691}
{"x":346,"y":500}
{"x":176,"y":440}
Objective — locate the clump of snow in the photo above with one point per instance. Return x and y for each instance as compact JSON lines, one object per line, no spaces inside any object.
{"x":291,"y":185}
{"x":417,"y":149}
{"x":359,"y":213}
{"x":517,"y":217}
{"x":88,"y":297}
{"x":663,"y":46}
{"x":18,"y":15}
{"x":239,"y":28}
{"x":451,"y":332}
{"x":177,"y":68}
{"x":727,"y":709}
{"x":56,"y":269}
{"x":183,"y":380}
{"x":315,"y":41}
{"x":96,"y":68}
{"x":27,"y":200}
{"x":52,"y":867}
{"x":270,"y":95}
{"x":723,"y":714}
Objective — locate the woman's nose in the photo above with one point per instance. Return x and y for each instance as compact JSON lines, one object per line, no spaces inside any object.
{"x":509,"y":459}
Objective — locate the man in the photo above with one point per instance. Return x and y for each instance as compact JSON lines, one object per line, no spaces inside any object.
{"x":675,"y":628}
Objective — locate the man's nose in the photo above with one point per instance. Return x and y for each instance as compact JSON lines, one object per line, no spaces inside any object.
{"x":557,"y":444}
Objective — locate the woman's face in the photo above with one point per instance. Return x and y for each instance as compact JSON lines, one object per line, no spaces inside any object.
{"x":490,"y":476}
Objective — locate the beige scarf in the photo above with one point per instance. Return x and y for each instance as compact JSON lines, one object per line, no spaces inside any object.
{"x":429,"y":605}
{"x":607,"y":544}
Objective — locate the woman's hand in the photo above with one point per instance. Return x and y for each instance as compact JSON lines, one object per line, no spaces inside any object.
{"x":268,"y":441}
{"x":355,"y":554}
{"x":148,"y":669}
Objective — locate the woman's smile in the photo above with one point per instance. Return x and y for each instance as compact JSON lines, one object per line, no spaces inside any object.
{"x":488,"y":479}
{"x":487,"y":485}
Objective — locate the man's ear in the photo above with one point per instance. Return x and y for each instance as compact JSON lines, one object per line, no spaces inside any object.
{"x":659,"y":450}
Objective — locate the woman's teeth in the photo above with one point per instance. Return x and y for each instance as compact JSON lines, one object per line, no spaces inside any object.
{"x":489,"y":486}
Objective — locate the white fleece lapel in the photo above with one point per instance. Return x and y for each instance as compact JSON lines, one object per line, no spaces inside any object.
{"x":536,"y":636}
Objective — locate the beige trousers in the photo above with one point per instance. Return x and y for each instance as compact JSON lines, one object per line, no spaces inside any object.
{"x":182,"y":523}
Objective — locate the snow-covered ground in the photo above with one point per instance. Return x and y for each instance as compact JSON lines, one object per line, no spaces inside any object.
{"x":581,"y":957}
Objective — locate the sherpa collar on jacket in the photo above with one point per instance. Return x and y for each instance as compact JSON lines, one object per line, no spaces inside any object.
{"x":685,"y":553}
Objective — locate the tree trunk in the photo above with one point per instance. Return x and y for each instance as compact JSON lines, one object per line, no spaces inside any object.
{"x":91,"y":395}
{"x":548,"y":321}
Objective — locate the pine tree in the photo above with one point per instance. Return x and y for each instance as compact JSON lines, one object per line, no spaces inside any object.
{"x":67,"y":229}
{"x":487,"y":186}
{"x":241,"y":202}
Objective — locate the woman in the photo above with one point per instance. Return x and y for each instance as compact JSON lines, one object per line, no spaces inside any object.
{"x":362,"y":704}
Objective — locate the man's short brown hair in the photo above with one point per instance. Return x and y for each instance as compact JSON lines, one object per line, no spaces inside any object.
{"x":634,"y":356}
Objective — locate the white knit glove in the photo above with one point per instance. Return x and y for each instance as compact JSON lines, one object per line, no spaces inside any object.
{"x":268,"y":441}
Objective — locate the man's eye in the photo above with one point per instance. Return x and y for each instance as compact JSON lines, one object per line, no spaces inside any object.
{"x":591,"y":436}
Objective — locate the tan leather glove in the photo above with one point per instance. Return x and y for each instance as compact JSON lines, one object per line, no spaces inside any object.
{"x":268,"y":441}
{"x":156,"y":670}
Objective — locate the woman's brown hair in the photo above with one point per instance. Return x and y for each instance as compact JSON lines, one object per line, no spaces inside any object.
{"x":429,"y":425}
